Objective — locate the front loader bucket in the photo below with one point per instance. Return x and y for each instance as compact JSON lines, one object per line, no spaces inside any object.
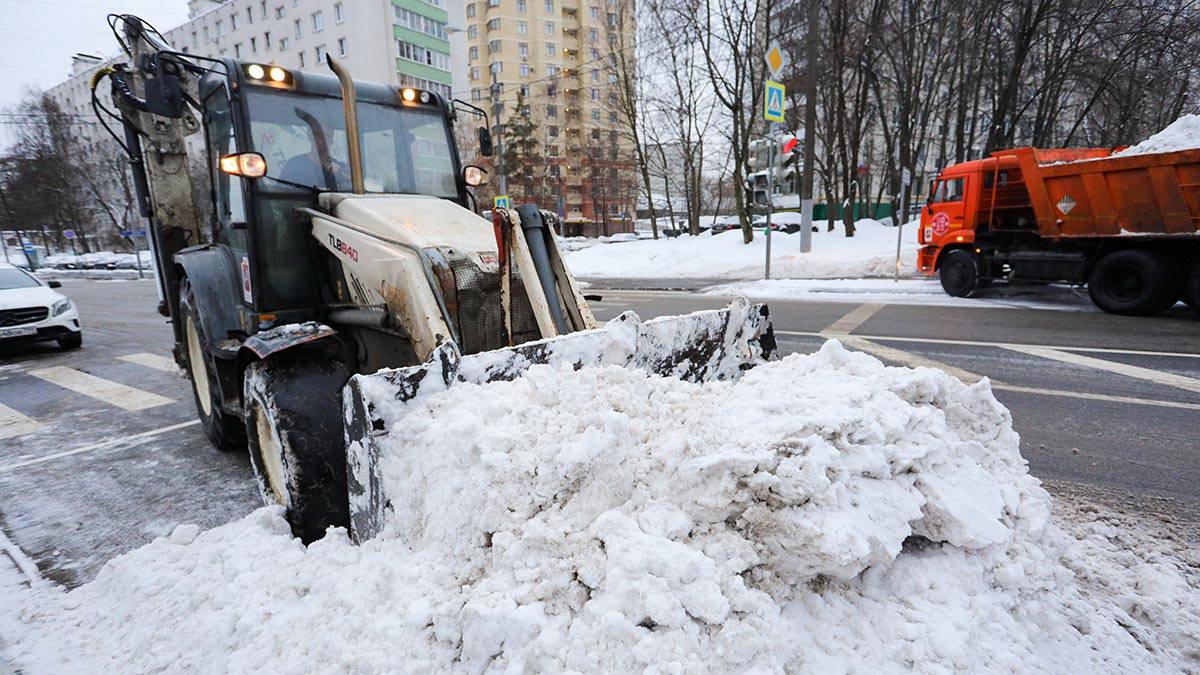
{"x":698,"y":347}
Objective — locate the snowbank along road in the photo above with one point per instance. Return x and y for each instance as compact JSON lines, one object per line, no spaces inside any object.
{"x":100,"y":451}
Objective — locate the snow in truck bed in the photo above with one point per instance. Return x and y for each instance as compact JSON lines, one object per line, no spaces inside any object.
{"x":825,"y":513}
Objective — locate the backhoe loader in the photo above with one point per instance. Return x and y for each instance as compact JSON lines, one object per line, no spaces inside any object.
{"x":318,"y":251}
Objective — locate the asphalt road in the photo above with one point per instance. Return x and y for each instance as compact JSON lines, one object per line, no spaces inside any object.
{"x":1107,"y":408}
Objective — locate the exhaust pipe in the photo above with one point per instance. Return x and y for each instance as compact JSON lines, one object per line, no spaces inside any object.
{"x":350,"y":110}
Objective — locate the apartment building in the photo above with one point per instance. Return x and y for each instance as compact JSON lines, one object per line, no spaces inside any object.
{"x":542,"y":70}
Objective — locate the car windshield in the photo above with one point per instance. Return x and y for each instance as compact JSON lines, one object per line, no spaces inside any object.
{"x":303,"y":138}
{"x":14,"y":278}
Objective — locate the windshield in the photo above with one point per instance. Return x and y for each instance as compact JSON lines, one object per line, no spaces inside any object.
{"x":13,"y":278}
{"x":303,"y":139}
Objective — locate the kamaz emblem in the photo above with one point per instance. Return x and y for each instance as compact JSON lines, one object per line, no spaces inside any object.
{"x":1066,"y":204}
{"x":343,"y":248}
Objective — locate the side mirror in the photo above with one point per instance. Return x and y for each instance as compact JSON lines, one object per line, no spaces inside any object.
{"x":485,"y":142}
{"x":54,"y":284}
{"x":929,"y":209}
{"x":474,"y":175}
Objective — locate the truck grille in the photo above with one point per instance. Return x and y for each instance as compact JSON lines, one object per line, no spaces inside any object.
{"x":480,"y":317}
{"x":22,"y":315}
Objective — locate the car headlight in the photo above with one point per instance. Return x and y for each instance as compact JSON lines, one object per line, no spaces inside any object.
{"x":60,"y":307}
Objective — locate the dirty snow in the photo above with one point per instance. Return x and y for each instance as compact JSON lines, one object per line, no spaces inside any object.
{"x":871,"y":252}
{"x":823,"y":513}
{"x":1182,"y":134}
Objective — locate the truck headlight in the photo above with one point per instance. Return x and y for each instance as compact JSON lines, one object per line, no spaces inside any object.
{"x":60,"y":307}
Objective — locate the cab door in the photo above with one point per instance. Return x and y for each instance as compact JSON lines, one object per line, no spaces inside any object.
{"x":946,"y":212}
{"x":228,"y":192}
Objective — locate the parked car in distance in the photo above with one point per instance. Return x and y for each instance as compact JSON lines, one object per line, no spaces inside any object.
{"x":32,"y":311}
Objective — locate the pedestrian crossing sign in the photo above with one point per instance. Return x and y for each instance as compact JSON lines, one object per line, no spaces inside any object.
{"x":502,"y":202}
{"x":773,"y":105}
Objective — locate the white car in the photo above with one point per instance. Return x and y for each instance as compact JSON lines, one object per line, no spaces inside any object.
{"x":32,"y":311}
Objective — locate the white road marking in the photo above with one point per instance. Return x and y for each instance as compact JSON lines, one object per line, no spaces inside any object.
{"x":853,"y":319}
{"x":23,"y":563}
{"x":130,"y":441}
{"x":1002,"y":345}
{"x":13,"y":423}
{"x":114,"y":393}
{"x":151,"y":361}
{"x":906,"y":358}
{"x":1156,"y":376}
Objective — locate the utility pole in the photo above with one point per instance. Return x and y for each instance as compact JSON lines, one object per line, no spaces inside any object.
{"x":770,"y":198}
{"x":810,"y":125}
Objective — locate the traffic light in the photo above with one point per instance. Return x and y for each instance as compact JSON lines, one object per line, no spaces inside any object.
{"x":757,"y":169}
{"x":786,"y":163}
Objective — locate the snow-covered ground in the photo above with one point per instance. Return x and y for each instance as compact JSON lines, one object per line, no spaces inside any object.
{"x":824,"y":513}
{"x":871,"y":252}
{"x":908,"y":292}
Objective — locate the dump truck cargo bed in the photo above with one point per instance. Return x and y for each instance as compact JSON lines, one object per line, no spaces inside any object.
{"x":1090,"y":193}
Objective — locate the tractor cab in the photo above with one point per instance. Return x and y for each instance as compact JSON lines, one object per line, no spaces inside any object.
{"x":276,"y":139}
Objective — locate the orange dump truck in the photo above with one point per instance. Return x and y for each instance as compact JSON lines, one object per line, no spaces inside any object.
{"x":1127,"y":226}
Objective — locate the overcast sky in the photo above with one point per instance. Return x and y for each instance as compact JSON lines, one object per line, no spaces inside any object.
{"x":40,"y":36}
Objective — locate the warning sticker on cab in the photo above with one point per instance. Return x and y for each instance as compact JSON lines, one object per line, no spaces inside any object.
{"x":247,"y":289}
{"x":941,"y":223}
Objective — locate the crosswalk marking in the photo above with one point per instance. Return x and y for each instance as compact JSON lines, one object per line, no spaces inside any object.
{"x":13,"y":423}
{"x":907,"y":358}
{"x":151,"y":361}
{"x":1156,"y":376}
{"x":1005,"y":345}
{"x":853,"y":319}
{"x":114,"y":393}
{"x":124,"y":441}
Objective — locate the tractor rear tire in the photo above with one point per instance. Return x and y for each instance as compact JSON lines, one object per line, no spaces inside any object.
{"x":1134,"y":282}
{"x":226,"y":432}
{"x":297,"y":446}
{"x":960,"y":274}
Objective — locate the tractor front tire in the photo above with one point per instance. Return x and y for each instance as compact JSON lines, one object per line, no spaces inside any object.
{"x":226,"y":432}
{"x":1134,"y":282}
{"x":293,"y":418}
{"x":959,"y":273}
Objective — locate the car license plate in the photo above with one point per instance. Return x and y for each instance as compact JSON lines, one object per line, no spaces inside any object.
{"x":17,"y":332}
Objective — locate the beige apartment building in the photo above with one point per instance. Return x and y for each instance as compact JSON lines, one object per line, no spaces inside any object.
{"x":541,"y":68}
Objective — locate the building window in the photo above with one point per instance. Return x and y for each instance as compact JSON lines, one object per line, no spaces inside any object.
{"x":551,"y":71}
{"x":267,"y":40}
{"x":595,"y":76}
{"x":476,"y":95}
{"x":253,"y":45}
{"x":301,"y":60}
{"x":318,"y":22}
{"x":521,"y":7}
{"x":612,"y":20}
{"x":473,"y":31}
{"x":435,"y":3}
{"x":219,"y":29}
{"x":233,"y":22}
{"x":523,"y":49}
{"x":419,"y":54}
{"x":249,"y":15}
{"x":612,"y":117}
{"x":237,"y":51}
{"x":493,"y":46}
{"x":320,"y":53}
{"x":595,"y":115}
{"x":342,"y":47}
{"x":551,"y":50}
{"x":299,"y":29}
{"x":262,"y":7}
{"x":280,"y":12}
{"x":473,"y":53}
{"x":283,"y":44}
{"x":524,"y":70}
{"x":471,"y":10}
{"x":594,"y":12}
{"x":474,"y":73}
{"x":496,"y":67}
{"x":493,"y":3}
{"x":549,"y":6}
{"x":422,"y":24}
{"x":595,"y":94}
{"x":553,"y":131}
{"x":338,"y":15}
{"x":524,"y":90}
{"x":552,"y":90}
{"x":593,"y":34}
{"x":549,"y":28}
{"x":493,"y":24}
{"x":522,"y":28}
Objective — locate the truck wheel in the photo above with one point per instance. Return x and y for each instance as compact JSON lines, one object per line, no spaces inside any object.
{"x":1133,"y":282}
{"x":224,"y":431}
{"x":959,"y":272}
{"x":297,"y":447}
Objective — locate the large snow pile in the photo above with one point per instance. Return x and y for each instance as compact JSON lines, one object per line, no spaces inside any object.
{"x":871,"y":252}
{"x":824,"y":513}
{"x":1182,"y":134}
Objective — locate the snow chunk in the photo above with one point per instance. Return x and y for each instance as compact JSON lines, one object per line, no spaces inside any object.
{"x":822,"y":513}
{"x":1182,"y":134}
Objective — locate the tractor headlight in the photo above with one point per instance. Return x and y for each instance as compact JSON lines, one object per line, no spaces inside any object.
{"x":60,"y":307}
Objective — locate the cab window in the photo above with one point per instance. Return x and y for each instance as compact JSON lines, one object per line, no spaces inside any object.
{"x":948,"y":190}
